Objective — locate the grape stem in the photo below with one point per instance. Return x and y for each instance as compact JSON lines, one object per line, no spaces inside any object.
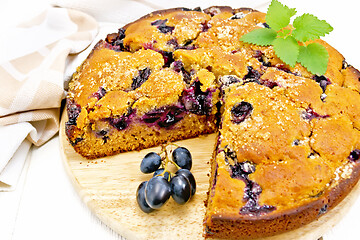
{"x":165,"y":159}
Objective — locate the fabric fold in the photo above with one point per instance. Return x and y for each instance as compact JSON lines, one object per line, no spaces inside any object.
{"x":33,"y":75}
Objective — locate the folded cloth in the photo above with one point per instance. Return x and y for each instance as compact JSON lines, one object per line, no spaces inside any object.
{"x":32,"y":82}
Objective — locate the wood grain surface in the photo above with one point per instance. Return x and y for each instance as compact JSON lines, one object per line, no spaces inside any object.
{"x":108,"y":187}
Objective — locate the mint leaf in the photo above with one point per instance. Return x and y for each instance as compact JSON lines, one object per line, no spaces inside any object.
{"x":308,"y":27}
{"x":287,"y":49}
{"x":284,"y":32}
{"x":314,"y":57}
{"x":260,"y":36}
{"x":288,"y":40}
{"x":278,"y":15}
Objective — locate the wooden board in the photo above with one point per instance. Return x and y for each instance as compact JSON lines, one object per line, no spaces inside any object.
{"x":108,"y":187}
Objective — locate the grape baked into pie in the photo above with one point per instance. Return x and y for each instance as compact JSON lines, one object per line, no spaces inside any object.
{"x":288,"y":143}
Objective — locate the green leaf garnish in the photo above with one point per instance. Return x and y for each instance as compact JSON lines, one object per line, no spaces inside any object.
{"x":278,"y":15}
{"x":260,"y":36}
{"x":308,"y":27}
{"x":289,"y":41}
{"x":287,"y":49}
{"x":314,"y":57}
{"x":284,"y":32}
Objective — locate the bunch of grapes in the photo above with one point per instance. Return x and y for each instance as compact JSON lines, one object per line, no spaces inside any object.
{"x":153,"y":194}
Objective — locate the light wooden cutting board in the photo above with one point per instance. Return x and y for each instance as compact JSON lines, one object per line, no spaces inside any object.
{"x":108,"y":187}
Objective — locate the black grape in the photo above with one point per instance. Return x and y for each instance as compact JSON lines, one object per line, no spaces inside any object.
{"x":182,"y":157}
{"x":180,"y":189}
{"x":157,"y":192}
{"x":186,"y":173}
{"x":150,"y":163}
{"x":140,"y":198}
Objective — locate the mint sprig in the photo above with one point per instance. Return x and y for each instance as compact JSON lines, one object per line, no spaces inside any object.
{"x":289,"y":40}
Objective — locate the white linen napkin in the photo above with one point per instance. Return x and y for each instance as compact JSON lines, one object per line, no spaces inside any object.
{"x":31,"y":75}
